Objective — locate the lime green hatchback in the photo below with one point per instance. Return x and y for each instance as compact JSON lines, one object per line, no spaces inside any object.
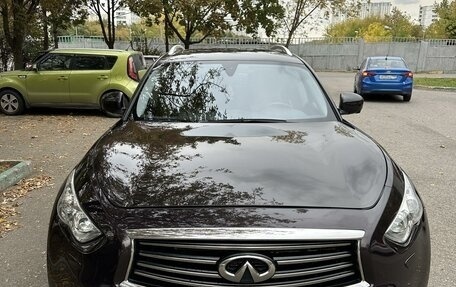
{"x":73,"y":78}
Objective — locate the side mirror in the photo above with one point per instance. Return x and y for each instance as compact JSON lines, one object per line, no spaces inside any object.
{"x":113,"y":104}
{"x":357,"y":68}
{"x":350,"y":103}
{"x":30,"y":67}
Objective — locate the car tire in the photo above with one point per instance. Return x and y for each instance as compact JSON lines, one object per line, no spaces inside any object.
{"x":125,"y":103}
{"x":407,"y":98}
{"x":11,"y":102}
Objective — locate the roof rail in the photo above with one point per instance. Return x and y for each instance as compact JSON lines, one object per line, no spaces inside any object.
{"x":282,"y":49}
{"x":175,"y":50}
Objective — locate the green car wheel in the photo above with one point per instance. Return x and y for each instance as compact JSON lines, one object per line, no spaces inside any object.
{"x":11,"y":102}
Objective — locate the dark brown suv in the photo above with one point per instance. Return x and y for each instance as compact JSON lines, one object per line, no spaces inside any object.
{"x":234,"y":168}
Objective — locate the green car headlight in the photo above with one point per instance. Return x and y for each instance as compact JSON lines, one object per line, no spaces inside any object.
{"x":407,"y":217}
{"x":71,"y":213}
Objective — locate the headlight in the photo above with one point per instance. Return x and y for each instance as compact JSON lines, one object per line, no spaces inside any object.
{"x":71,"y":213}
{"x":408,"y":216}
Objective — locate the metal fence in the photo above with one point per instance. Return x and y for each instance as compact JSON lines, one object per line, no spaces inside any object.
{"x":323,"y":54}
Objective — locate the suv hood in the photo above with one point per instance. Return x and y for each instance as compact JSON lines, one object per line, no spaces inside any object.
{"x":317,"y":164}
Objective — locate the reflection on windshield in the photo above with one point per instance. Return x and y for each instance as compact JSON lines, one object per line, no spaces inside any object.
{"x":223,"y":91}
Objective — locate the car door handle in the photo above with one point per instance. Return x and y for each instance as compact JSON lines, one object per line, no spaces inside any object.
{"x":103,"y":77}
{"x":62,"y":78}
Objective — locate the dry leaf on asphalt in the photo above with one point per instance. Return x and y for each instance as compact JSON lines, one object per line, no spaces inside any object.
{"x":8,"y":200}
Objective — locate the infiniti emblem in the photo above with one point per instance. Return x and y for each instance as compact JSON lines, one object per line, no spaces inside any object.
{"x":247,"y":268}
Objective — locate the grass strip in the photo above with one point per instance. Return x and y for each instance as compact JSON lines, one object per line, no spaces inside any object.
{"x":436,"y":82}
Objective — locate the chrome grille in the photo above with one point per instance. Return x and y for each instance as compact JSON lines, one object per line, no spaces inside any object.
{"x":191,"y":262}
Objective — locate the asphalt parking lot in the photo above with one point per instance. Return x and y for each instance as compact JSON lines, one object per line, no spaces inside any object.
{"x":419,"y":135}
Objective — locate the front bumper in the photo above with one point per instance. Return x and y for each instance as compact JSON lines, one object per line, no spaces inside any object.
{"x":109,"y":264}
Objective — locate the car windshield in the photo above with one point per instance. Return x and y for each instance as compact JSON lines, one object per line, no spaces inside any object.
{"x":235,"y":91}
{"x":386,"y":64}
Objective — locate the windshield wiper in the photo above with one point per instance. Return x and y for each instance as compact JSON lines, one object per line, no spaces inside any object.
{"x":176,"y":119}
{"x":249,"y":121}
{"x":167,"y":119}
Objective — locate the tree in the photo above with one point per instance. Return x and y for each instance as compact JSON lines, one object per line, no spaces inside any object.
{"x":210,"y":17}
{"x":88,"y":28}
{"x":147,"y":29}
{"x":445,"y":26}
{"x":203,"y":16}
{"x":144,"y":30}
{"x":417,"y":31}
{"x":16,"y":16}
{"x":352,"y":27}
{"x":5,"y":51}
{"x":298,"y":12}
{"x":400,"y":24}
{"x":435,"y":30}
{"x":60,"y":15}
{"x":397,"y":24}
{"x":106,"y":18}
{"x":253,"y":15}
{"x":376,"y":31}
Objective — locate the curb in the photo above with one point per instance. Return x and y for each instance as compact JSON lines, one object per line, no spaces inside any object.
{"x":14,"y":174}
{"x":448,"y":89}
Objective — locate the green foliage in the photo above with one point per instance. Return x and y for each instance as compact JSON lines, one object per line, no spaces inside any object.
{"x":375,"y":32}
{"x":194,"y":20}
{"x":18,"y":16}
{"x":352,"y":27}
{"x":445,"y":26}
{"x":147,"y":29}
{"x":64,"y":14}
{"x":401,"y":24}
{"x":252,"y":15}
{"x":88,"y":28}
{"x":32,"y":48}
{"x":435,"y":30}
{"x":417,"y":31}
{"x":60,"y":15}
{"x":397,"y":24}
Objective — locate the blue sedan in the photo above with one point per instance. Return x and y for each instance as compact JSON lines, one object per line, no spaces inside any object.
{"x":384,"y":75}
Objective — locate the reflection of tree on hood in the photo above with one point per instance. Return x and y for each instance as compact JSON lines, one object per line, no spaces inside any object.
{"x":147,"y":161}
{"x":184,"y":92}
